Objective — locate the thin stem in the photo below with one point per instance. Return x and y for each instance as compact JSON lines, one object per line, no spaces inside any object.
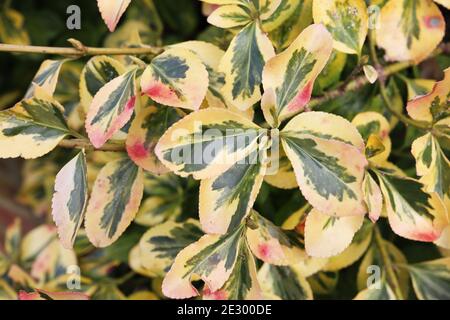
{"x":85,"y":144}
{"x":79,"y":51}
{"x":390,"y":273}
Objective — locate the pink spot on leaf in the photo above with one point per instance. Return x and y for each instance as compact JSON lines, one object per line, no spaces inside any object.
{"x":137,"y":150}
{"x":264,"y":250}
{"x":302,"y":98}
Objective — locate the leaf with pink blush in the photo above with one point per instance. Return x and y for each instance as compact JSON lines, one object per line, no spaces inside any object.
{"x":212,"y":259}
{"x":176,"y":78}
{"x":288,"y":78}
{"x":372,"y":197}
{"x":112,"y":11}
{"x":111,"y":109}
{"x":413,"y":213}
{"x":46,"y":295}
{"x":146,"y":129}
{"x":273,"y":244}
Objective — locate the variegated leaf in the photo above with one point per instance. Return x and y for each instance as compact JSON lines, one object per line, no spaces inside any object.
{"x":111,"y":108}
{"x":146,"y":129}
{"x":46,"y":77}
{"x":161,"y":244}
{"x":289,"y":77}
{"x":432,"y":165}
{"x":114,"y":201}
{"x":356,"y":250}
{"x":380,"y":290}
{"x":324,"y":283}
{"x":242,"y":283}
{"x":272,"y":244}
{"x":373,"y":123}
{"x":288,"y":31}
{"x":273,"y":14}
{"x":410,"y":29}
{"x":413,"y":213}
{"x":431,"y":279}
{"x":230,"y":16}
{"x":97,"y":73}
{"x":70,"y":199}
{"x":326,"y":153}
{"x":228,"y":198}
{"x":327,"y":236}
{"x":212,"y":258}
{"x":32,"y":127}
{"x":135,"y":262}
{"x":372,"y":197}
{"x":176,"y":78}
{"x":243,"y":65}
{"x":208,"y":142}
{"x":434,"y":106}
{"x":112,"y":11}
{"x":284,"y":282}
{"x":346,"y":20}
{"x":211,"y":56}
{"x":331,"y":74}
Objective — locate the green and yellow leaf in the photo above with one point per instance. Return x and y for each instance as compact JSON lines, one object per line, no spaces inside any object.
{"x":346,"y":20}
{"x":112,"y":107}
{"x":242,"y":283}
{"x":228,"y":198}
{"x":230,"y":16}
{"x":356,"y":250}
{"x":272,"y":244}
{"x":431,"y":280}
{"x":284,"y":282}
{"x":98,"y":71}
{"x":326,"y":153}
{"x":288,"y":78}
{"x":176,"y":78}
{"x":46,"y":77}
{"x":372,"y":197}
{"x":413,"y":213}
{"x":207,"y":143}
{"x":373,"y":123}
{"x":32,"y":128}
{"x":212,"y":258}
{"x":70,"y":199}
{"x":161,"y":244}
{"x":432,"y":165}
{"x":243,"y":65}
{"x":114,"y":201}
{"x":321,"y":232}
{"x":410,"y":29}
{"x":288,"y":31}
{"x":146,"y":129}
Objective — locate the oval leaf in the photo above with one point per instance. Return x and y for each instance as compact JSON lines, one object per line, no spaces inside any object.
{"x":70,"y":199}
{"x":115,"y":199}
{"x":112,"y":11}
